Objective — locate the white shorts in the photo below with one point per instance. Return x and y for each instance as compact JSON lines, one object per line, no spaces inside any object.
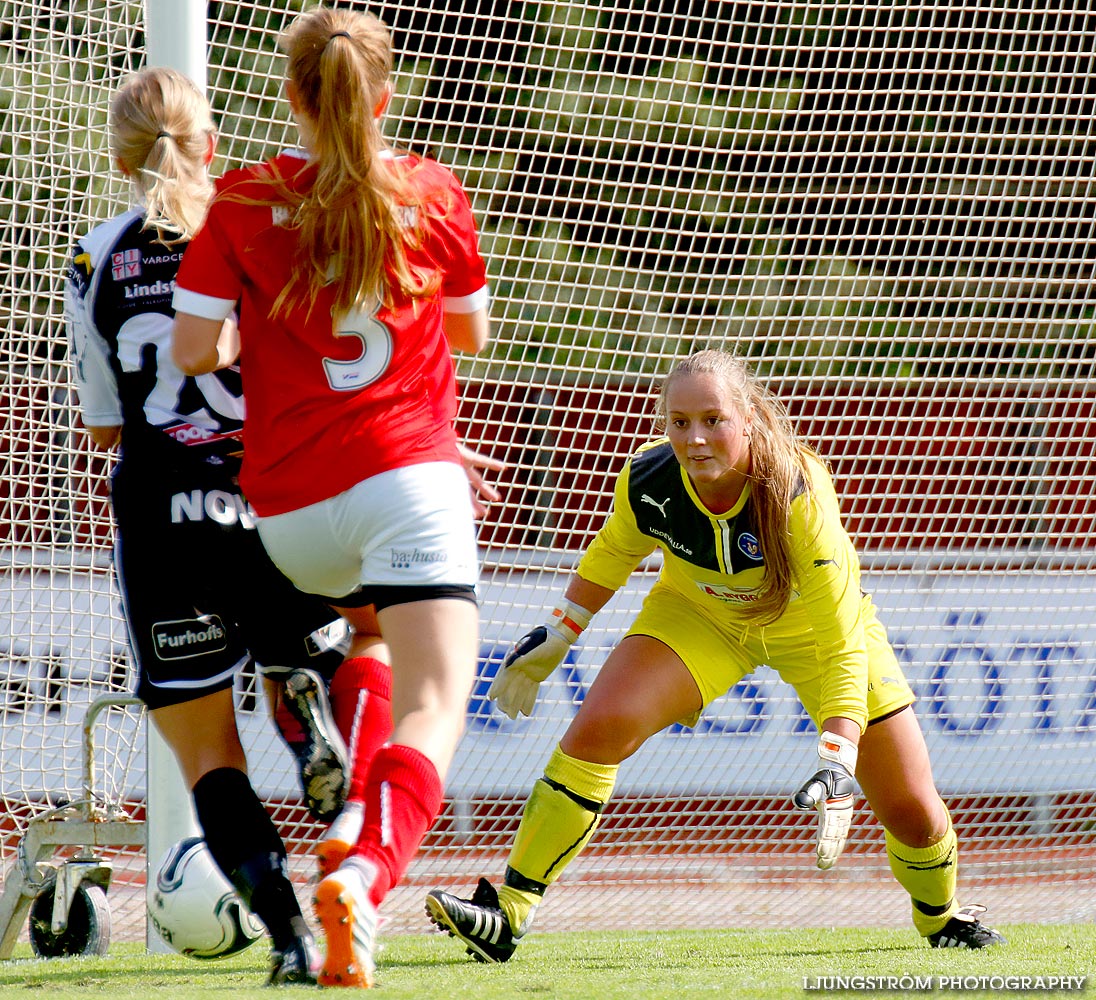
{"x":408,"y":527}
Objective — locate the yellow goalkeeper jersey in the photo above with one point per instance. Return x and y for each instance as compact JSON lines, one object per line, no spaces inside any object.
{"x":715,"y":562}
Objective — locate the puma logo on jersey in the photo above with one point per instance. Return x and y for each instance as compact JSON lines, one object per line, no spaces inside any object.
{"x":654,"y":503}
{"x":825,"y":562}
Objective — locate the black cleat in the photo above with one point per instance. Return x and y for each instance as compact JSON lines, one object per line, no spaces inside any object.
{"x":965,"y":930}
{"x":296,"y":966}
{"x":478,"y":922}
{"x":321,"y":756}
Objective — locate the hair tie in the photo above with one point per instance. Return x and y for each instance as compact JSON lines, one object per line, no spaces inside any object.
{"x":163,"y":135}
{"x":338,"y":34}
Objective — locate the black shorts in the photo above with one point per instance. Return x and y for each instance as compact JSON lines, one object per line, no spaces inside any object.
{"x":201,"y":595}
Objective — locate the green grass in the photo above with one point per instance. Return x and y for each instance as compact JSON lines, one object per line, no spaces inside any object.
{"x":631,"y":965}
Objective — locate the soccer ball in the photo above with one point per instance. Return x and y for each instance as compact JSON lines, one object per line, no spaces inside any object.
{"x":194,"y":907}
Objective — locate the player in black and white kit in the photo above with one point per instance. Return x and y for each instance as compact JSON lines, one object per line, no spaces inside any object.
{"x":182,"y":521}
{"x":201,"y":596}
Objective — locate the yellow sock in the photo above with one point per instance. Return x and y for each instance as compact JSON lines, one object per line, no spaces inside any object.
{"x":560,"y":816}
{"x":928,"y":874}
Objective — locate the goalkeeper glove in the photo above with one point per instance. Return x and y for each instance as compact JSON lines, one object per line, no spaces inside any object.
{"x":533,"y":657}
{"x":830,"y":790}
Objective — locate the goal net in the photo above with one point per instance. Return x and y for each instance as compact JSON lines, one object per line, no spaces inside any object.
{"x":886,"y":208}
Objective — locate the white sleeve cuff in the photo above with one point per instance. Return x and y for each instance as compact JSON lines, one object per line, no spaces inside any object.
{"x":464,"y":303}
{"x":204,"y":306}
{"x":101,"y":418}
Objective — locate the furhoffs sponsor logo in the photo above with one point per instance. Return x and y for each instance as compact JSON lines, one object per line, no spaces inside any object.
{"x":406,"y":558}
{"x":187,"y":637}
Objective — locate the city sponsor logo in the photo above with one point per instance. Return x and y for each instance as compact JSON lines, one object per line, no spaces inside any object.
{"x":184,"y":638}
{"x":164,"y":258}
{"x":219,"y":506}
{"x":148,"y":291}
{"x":749,"y":546}
{"x":125,"y":264}
{"x":404,"y":559}
{"x":728,"y":594}
{"x":671,"y":541}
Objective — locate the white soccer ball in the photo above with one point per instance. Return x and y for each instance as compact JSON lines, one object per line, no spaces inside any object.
{"x":194,"y":907}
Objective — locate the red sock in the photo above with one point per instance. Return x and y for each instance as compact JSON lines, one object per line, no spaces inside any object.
{"x":402,"y":800}
{"x":361,"y":699}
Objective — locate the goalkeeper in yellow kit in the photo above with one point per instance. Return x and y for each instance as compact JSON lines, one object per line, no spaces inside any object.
{"x":757,"y":569}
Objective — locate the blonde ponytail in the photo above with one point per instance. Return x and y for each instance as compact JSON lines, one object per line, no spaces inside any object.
{"x":160,"y":130}
{"x":357,"y":220}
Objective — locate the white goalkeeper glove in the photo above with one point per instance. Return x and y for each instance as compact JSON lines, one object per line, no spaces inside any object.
{"x":831,"y":791}
{"x":533,"y":657}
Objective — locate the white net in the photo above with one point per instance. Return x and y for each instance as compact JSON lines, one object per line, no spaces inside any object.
{"x":885,"y":207}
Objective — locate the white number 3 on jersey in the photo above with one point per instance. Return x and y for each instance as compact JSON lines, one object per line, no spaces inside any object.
{"x":370,"y":365}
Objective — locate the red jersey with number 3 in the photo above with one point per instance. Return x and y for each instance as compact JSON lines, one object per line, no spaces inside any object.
{"x":332,"y":403}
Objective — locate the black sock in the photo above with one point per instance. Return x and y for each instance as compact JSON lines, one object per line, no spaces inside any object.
{"x":247,"y":847}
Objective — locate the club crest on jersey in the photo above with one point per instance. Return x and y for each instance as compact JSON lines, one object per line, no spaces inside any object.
{"x":125,"y":264}
{"x":749,"y":546}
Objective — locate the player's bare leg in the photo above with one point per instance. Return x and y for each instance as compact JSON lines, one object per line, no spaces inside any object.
{"x":433,"y":645}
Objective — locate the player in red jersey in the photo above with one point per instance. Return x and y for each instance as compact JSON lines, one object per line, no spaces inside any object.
{"x":356,"y":273}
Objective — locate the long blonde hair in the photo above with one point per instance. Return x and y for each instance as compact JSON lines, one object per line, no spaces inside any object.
{"x":778,"y":469}
{"x":358,"y":218}
{"x":160,"y":127}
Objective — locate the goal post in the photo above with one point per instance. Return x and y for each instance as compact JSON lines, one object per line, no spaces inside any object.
{"x":175,"y":36}
{"x":880,"y":206}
